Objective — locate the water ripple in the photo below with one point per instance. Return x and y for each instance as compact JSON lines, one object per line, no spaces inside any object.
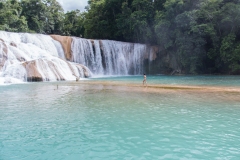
{"x":39,"y":121}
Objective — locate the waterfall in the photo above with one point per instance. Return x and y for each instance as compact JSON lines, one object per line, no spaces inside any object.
{"x":98,"y":59}
{"x":36,"y":57}
{"x":107,"y":57}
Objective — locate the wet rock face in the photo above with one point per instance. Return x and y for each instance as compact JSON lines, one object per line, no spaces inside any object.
{"x":33,"y":74}
{"x":36,"y":57}
{"x":13,"y":44}
{"x":66,"y":44}
{"x":86,"y":71}
{"x":3,"y":53}
{"x":52,"y":71}
{"x":34,"y":79}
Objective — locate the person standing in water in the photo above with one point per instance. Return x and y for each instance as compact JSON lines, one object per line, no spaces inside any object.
{"x":144,"y":79}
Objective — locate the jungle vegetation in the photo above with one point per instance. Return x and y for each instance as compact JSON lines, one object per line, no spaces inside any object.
{"x":204,"y":35}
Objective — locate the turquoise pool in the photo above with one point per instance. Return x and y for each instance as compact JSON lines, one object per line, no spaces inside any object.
{"x":71,"y":121}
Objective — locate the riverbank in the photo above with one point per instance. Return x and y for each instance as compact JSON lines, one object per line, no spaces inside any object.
{"x":152,"y":87}
{"x":219,"y":93}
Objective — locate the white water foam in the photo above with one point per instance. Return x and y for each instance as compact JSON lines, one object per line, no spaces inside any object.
{"x":107,"y":57}
{"x":102,"y":57}
{"x":46,"y":53}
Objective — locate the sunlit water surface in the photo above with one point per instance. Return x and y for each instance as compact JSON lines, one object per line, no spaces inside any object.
{"x":74,"y":121}
{"x":199,"y":80}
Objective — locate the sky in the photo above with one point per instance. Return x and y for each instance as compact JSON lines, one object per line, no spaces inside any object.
{"x":69,"y":5}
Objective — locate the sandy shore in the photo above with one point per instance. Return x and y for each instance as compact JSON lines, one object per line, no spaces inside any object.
{"x":218,"y":93}
{"x":160,"y":87}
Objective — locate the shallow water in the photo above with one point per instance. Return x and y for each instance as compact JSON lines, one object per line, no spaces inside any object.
{"x":74,"y":121}
{"x":179,"y":80}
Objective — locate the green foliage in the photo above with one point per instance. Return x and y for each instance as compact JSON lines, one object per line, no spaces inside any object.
{"x":43,"y":16}
{"x":74,"y":23}
{"x":203,"y":35}
{"x":130,"y":20}
{"x":230,"y":52}
{"x":124,"y":23}
{"x":142,"y":18}
{"x":11,"y":18}
{"x":96,"y":24}
{"x":54,"y":17}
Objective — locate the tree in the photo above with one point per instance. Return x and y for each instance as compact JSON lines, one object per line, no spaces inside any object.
{"x":95,"y":23}
{"x":142,"y":20}
{"x":124,"y":23}
{"x":43,"y":16}
{"x":55,"y":17}
{"x":74,"y":23}
{"x":11,"y":18}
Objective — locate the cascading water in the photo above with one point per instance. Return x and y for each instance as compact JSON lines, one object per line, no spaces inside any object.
{"x":98,"y":59}
{"x":106,"y":57}
{"x":35,"y":57}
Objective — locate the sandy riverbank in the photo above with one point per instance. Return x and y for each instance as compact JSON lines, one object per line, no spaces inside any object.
{"x":161,"y":87}
{"x":218,"y":92}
